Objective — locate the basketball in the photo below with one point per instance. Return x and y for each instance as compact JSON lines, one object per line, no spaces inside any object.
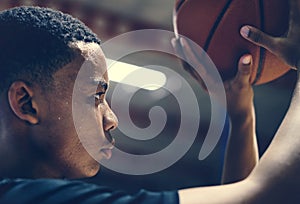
{"x":215,"y":26}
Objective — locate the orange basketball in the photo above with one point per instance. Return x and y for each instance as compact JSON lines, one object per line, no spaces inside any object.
{"x":215,"y":26}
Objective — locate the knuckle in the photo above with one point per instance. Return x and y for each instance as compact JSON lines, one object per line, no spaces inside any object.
{"x":239,"y":84}
{"x":256,"y":36}
{"x":245,"y":72}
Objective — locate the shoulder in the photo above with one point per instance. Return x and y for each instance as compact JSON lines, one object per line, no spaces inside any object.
{"x":68,"y":191}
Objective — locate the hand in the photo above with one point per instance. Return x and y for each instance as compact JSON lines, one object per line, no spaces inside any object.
{"x":184,"y":50}
{"x":287,"y":48}
{"x":239,"y":92}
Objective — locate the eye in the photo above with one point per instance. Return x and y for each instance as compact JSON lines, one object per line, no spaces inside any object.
{"x":99,"y":98}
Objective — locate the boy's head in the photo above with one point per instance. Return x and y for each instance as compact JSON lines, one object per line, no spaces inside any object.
{"x":42,"y":51}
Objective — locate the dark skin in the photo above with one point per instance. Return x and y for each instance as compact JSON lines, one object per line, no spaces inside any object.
{"x":276,"y":178}
{"x":28,"y":124}
{"x":38,"y":137}
{"x":242,"y":150}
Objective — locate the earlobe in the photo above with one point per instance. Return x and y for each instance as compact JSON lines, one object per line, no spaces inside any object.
{"x":20,"y":97}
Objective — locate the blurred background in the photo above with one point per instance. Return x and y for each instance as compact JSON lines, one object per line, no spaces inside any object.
{"x":110,"y":18}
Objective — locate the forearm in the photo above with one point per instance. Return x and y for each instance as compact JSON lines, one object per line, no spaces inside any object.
{"x":240,"y":192}
{"x":276,"y":178}
{"x":242,"y":152}
{"x":279,"y":167}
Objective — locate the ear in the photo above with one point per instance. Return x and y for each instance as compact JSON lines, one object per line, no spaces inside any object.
{"x":20,"y":97}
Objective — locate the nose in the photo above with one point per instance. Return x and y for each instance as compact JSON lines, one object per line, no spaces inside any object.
{"x":110,"y":120}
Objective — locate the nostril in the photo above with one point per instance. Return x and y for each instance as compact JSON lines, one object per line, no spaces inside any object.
{"x":109,"y":128}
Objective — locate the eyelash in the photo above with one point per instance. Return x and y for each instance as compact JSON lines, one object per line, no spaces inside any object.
{"x":99,"y":98}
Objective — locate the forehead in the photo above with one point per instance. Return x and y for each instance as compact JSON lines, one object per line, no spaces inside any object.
{"x":86,"y":72}
{"x":94,"y":65}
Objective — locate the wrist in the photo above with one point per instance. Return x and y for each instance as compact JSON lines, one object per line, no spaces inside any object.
{"x":242,"y":117}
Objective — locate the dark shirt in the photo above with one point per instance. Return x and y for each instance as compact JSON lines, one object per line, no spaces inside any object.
{"x":66,"y":191}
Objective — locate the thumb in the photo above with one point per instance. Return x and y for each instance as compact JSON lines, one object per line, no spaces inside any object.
{"x":244,"y":70}
{"x":259,"y":38}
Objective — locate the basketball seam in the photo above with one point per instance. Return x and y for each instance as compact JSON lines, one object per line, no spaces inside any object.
{"x":216,"y":24}
{"x":262,"y":51}
{"x":179,"y":5}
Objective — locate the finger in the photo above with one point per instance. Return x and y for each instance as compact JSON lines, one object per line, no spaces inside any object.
{"x":196,"y":60}
{"x":294,"y":13}
{"x":180,"y":53}
{"x":176,"y":45}
{"x":294,"y":27}
{"x":259,"y":38}
{"x":244,"y":70}
{"x":187,"y":67}
{"x":179,"y":50}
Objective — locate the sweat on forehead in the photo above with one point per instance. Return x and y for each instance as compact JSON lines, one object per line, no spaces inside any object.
{"x":94,"y":60}
{"x":90,"y":51}
{"x":93,"y":69}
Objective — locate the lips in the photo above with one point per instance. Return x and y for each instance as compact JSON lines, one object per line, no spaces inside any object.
{"x":107,"y":149}
{"x":107,"y":153}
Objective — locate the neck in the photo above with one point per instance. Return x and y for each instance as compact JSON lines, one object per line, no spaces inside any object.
{"x":20,"y":160}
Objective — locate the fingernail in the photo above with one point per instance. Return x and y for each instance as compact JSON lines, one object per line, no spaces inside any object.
{"x":247,"y":60}
{"x":173,"y":42}
{"x":182,"y":42}
{"x":245,"y":31}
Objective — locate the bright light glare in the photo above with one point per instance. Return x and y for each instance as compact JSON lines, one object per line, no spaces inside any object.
{"x":133,"y":75}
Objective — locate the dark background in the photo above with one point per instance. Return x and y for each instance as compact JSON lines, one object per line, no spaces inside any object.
{"x":109,"y":18}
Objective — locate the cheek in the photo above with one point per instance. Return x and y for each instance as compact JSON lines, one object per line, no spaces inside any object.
{"x":90,"y":129}
{"x":58,"y":122}
{"x":87,"y":120}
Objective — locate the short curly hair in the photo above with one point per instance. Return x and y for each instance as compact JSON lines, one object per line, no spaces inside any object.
{"x":35,"y":42}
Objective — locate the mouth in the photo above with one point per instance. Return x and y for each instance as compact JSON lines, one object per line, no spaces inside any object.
{"x":106,"y":153}
{"x":107,"y":150}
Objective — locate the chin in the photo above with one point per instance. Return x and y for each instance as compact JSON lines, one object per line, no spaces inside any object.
{"x":90,"y":170}
{"x":86,"y":171}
